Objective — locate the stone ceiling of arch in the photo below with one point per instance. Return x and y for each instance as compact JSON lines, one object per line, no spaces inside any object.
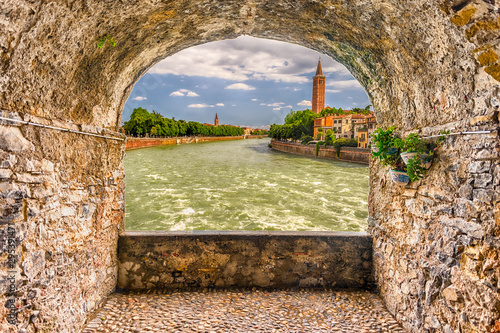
{"x":412,"y":57}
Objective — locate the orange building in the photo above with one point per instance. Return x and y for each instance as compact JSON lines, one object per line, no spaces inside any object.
{"x":318,"y":97}
{"x":346,"y":125}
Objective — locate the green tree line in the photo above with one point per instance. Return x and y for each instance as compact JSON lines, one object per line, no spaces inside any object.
{"x":297,"y":124}
{"x":143,"y":122}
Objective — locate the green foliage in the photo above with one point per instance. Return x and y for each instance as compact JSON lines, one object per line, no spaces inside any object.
{"x":331,"y":111}
{"x":103,"y":40}
{"x":142,"y":122}
{"x":441,"y":139}
{"x":319,"y":143}
{"x":296,"y":124}
{"x":259,"y":132}
{"x":412,"y":143}
{"x":414,"y":168}
{"x":383,"y":141}
{"x":343,"y":142}
{"x":366,"y":110}
{"x":305,"y":139}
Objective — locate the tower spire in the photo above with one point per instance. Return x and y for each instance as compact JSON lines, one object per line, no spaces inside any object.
{"x":216,"y":121}
{"x":319,"y":70}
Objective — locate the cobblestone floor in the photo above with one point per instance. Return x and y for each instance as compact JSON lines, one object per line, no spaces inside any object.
{"x":244,"y":311}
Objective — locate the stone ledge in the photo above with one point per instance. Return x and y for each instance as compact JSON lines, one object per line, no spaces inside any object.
{"x":224,"y":259}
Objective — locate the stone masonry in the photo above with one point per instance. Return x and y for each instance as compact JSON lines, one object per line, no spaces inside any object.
{"x":264,"y":259}
{"x":427,"y":65}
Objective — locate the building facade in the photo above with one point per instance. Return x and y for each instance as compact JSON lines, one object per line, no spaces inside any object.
{"x":348,"y":126}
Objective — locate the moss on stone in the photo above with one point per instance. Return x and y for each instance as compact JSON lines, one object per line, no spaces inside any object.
{"x":494,"y":71}
{"x":482,"y":25}
{"x":487,"y":58}
{"x":464,"y":16}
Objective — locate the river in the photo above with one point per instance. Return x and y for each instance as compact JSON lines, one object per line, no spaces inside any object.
{"x":241,"y":185}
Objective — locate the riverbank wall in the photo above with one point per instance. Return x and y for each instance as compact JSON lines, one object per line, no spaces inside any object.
{"x":225,"y":259}
{"x":347,"y":154}
{"x":135,"y":143}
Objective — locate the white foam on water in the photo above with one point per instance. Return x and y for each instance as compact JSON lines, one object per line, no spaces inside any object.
{"x":208,"y":188}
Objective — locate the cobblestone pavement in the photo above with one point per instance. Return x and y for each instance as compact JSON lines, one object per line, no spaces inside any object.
{"x":244,"y":311}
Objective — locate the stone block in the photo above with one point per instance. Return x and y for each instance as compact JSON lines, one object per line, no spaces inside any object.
{"x":479,"y":166}
{"x":483,"y":196}
{"x":465,"y":208}
{"x":470,"y":228}
{"x":483,"y":180}
{"x":11,"y":139}
{"x":5,"y":174}
{"x":465,"y":191}
{"x":450,"y":294}
{"x":29,"y":178}
{"x":496,"y":175}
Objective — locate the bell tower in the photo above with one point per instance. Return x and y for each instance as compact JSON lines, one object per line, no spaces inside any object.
{"x":216,"y":121}
{"x":318,"y":97}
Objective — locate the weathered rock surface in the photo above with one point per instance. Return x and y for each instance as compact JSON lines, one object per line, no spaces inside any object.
{"x":426,"y":64}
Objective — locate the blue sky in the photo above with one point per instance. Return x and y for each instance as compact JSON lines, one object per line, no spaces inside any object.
{"x":247,"y":81}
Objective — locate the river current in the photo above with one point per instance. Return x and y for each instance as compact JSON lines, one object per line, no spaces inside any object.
{"x":241,"y":185}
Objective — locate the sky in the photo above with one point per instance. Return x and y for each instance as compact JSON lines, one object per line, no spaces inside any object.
{"x":247,"y":81}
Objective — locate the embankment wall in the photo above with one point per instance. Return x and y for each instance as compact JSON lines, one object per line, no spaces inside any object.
{"x":348,"y":154}
{"x":135,"y":143}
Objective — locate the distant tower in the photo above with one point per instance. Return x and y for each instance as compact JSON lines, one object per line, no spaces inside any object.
{"x":318,"y":99}
{"x":216,"y":121}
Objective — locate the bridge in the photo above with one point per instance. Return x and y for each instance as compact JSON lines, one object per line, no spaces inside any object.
{"x":427,"y":66}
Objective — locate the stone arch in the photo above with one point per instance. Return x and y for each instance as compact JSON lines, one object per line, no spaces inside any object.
{"x":425,"y":64}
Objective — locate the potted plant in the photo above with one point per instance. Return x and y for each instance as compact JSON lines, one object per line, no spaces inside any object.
{"x":384,"y":148}
{"x":416,"y":155}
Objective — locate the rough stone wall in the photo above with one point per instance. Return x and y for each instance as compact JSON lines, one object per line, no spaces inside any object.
{"x":426,"y":64}
{"x":266,"y":259}
{"x":61,"y":207}
{"x":437,"y":244}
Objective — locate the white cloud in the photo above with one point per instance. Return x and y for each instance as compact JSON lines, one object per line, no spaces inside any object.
{"x":254,"y":99}
{"x":276,"y":104}
{"x":277,"y":108}
{"x":200,"y":106}
{"x":240,"y":86}
{"x":184,"y":92}
{"x":263,"y":104}
{"x":219,"y":104}
{"x":305,"y":103}
{"x":344,"y":84}
{"x":139,"y":98}
{"x":333,"y":91}
{"x":248,"y":58}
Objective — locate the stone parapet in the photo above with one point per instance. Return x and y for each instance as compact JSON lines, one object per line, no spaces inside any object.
{"x":268,"y":259}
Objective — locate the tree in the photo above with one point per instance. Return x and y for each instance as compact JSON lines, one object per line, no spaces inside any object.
{"x":366,"y":110}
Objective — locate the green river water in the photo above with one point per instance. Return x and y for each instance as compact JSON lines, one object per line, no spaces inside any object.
{"x":241,"y":185}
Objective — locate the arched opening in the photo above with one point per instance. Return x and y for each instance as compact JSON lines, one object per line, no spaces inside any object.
{"x":426,"y":65}
{"x":248,"y":83}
